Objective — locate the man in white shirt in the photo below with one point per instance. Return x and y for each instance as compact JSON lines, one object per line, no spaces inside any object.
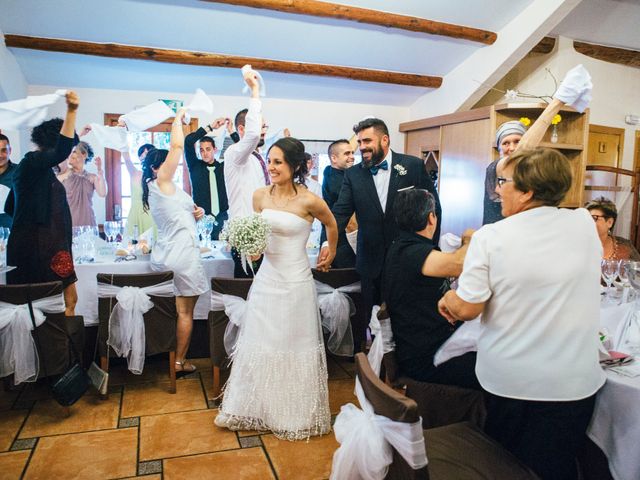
{"x":245,"y":170}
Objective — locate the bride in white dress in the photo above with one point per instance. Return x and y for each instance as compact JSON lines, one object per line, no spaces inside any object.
{"x":278,"y":379}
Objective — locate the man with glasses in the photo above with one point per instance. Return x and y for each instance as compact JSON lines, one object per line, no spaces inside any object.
{"x":245,"y":169}
{"x":7,"y":169}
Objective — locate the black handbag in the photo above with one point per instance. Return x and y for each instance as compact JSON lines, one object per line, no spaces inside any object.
{"x":71,"y":385}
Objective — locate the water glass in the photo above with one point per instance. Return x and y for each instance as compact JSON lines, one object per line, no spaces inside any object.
{"x":609,"y":273}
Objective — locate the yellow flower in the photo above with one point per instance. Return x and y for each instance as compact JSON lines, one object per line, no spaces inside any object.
{"x":556,"y":119}
{"x":525,"y":121}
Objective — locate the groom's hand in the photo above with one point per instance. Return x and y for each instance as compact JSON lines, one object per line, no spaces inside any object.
{"x":323,"y":256}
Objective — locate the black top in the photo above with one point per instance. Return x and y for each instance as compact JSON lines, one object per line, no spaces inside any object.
{"x":412,"y":300}
{"x":6,"y":179}
{"x":32,"y":182}
{"x":492,"y":209}
{"x":331,"y":184}
{"x":199,"y":175}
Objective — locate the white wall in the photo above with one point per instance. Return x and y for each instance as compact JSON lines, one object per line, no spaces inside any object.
{"x":616,"y":88}
{"x":305,"y":119}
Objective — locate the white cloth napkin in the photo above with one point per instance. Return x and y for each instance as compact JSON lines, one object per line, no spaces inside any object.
{"x":575,"y":88}
{"x":450,"y":242}
{"x":126,"y":323}
{"x":4,"y":193}
{"x":336,"y":309}
{"x":263,"y":88}
{"x":146,"y":117}
{"x":352,"y":238}
{"x":199,"y":104}
{"x":27,"y":112}
{"x":235,"y":308}
{"x":18,"y":353}
{"x":463,"y":340}
{"x":366,"y":442}
{"x":110,"y":137}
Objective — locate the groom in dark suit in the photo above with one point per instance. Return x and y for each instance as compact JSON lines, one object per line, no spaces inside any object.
{"x":369,"y":189}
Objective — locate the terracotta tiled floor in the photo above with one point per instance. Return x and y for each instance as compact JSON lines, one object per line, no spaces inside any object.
{"x":142,"y":431}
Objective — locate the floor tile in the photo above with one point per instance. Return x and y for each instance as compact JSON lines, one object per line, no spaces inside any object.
{"x":10,"y":423}
{"x":245,"y":464}
{"x":146,"y":477}
{"x":291,"y":458}
{"x":155,"y":370}
{"x":335,"y":369}
{"x":187,"y":433}
{"x":154,"y":398}
{"x":104,"y":454}
{"x":24,"y":444}
{"x":341,"y":393}
{"x":7,"y":398}
{"x":88,"y":413}
{"x":12,"y":464}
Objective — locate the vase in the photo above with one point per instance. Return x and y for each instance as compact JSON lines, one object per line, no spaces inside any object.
{"x":554,"y":134}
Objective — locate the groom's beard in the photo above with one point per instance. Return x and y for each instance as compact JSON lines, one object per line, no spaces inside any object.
{"x":261,"y":141}
{"x":377,"y":155}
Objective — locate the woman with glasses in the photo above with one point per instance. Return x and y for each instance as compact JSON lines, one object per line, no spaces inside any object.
{"x":604,"y":214}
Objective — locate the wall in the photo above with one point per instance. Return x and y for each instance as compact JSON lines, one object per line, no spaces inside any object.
{"x":305,"y":119}
{"x":615,"y":87}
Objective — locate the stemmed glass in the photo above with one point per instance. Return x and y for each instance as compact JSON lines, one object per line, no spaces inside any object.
{"x":110,"y":230}
{"x":208,"y":221}
{"x":623,"y":274}
{"x":609,"y":273}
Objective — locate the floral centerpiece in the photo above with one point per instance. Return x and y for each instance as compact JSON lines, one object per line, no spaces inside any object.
{"x":248,"y":235}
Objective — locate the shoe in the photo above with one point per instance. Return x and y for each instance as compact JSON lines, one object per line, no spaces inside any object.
{"x":223,"y":420}
{"x":184,"y":372}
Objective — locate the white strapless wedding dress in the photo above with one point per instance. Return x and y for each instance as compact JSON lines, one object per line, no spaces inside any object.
{"x":278,"y":379}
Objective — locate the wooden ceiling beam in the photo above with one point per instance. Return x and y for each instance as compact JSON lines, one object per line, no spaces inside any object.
{"x":115,"y":50}
{"x":544,"y":46}
{"x":365,"y":15}
{"x":621,"y":56}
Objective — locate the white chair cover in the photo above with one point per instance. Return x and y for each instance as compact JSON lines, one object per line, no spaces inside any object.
{"x":18,"y":352}
{"x":27,"y":112}
{"x":383,"y":341}
{"x":126,"y":322}
{"x":234,"y":307}
{"x":336,"y":309}
{"x":366,"y":442}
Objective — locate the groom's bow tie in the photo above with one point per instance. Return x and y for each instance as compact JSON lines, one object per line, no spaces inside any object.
{"x":374,"y":170}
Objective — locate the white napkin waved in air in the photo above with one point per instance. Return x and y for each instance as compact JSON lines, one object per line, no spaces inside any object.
{"x":199,"y":104}
{"x":450,"y":242}
{"x":575,"y":88}
{"x":263,"y":88}
{"x":146,"y":117}
{"x":27,"y":112}
{"x":110,"y":137}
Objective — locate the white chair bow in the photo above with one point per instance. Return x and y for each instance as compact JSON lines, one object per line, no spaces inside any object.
{"x":366,"y":442}
{"x":383,"y":339}
{"x":336,"y":309}
{"x":18,"y":352}
{"x":234,"y":307}
{"x":126,"y":322}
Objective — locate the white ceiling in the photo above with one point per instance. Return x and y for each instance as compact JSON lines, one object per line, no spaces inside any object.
{"x":218,"y":28}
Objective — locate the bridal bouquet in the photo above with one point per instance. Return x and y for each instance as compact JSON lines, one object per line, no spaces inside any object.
{"x":248,"y":235}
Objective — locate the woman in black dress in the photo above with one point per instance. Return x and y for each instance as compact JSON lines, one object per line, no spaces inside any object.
{"x":40,"y":241}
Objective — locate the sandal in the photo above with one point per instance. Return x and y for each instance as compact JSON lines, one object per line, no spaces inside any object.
{"x":185,"y":371}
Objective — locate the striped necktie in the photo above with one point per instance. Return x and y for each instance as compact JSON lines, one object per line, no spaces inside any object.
{"x":267,"y":180}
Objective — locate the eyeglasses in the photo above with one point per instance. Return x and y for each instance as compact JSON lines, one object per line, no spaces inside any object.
{"x":597,"y":217}
{"x":502,"y":180}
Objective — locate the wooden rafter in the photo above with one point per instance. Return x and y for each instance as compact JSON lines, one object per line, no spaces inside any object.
{"x":115,"y":50}
{"x":544,"y":46}
{"x":366,"y":15}
{"x":621,"y":56}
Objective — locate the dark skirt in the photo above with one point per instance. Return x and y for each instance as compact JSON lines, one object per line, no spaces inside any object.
{"x":42,"y":253}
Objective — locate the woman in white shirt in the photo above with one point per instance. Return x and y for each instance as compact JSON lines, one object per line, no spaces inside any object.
{"x":535,"y":277}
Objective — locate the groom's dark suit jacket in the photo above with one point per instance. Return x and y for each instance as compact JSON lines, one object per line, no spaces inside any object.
{"x":377,"y":229}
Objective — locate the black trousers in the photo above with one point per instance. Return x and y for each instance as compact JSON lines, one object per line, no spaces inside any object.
{"x":220,"y":219}
{"x":371,"y":289}
{"x":546,"y":436}
{"x":238,"y":271}
{"x":459,"y":371}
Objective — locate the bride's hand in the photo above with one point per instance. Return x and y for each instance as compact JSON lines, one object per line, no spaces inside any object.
{"x":255,"y":258}
{"x":198,"y":212}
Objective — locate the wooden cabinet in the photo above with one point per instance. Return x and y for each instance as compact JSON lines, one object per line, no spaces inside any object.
{"x":465,"y":142}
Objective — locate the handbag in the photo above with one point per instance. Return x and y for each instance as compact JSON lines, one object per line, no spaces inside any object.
{"x":72,"y":384}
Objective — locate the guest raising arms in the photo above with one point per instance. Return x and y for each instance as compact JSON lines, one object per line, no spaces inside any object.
{"x":40,"y":241}
{"x":177,"y":246}
{"x":80,"y":184}
{"x":138,"y":216}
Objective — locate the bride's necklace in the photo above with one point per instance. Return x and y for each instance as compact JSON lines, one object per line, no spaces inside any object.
{"x":273,"y":198}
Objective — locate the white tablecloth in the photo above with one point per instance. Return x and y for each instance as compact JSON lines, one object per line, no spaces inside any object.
{"x":87,"y":285}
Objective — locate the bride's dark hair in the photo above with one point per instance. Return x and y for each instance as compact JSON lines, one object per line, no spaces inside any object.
{"x":293,"y":150}
{"x":151,"y":162}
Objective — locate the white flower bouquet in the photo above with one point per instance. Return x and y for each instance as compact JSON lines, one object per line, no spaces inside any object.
{"x":248,"y":235}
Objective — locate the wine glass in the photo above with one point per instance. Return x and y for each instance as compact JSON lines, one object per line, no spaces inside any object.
{"x":208,"y":221}
{"x":623,"y":274}
{"x":609,"y":269}
{"x":109,"y":231}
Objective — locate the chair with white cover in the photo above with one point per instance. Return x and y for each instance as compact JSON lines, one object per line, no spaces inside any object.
{"x":438,"y":404}
{"x":344,"y":279}
{"x":386,"y":440}
{"x":228,"y":296}
{"x":137,"y":318}
{"x":27,"y":355}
